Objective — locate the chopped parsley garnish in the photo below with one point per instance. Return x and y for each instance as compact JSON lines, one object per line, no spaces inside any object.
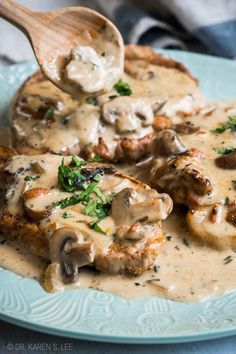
{"x":112,"y":97}
{"x":91,"y":208}
{"x":96,"y":158}
{"x":82,"y":185}
{"x":66,"y":215}
{"x":76,"y":162}
{"x":89,"y":189}
{"x":49,"y":114}
{"x":64,"y":203}
{"x":229,"y":125}
{"x":228,"y":259}
{"x":122,"y":88}
{"x":95,"y":226}
{"x":97,"y":178}
{"x":31,"y":178}
{"x":100,"y":194}
{"x":70,"y":179}
{"x":92,"y":100}
{"x":224,"y":150}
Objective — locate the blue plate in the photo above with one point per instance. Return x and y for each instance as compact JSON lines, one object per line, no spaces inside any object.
{"x":93,"y":315}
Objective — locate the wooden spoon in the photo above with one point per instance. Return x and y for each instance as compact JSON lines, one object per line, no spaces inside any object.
{"x":54,"y":34}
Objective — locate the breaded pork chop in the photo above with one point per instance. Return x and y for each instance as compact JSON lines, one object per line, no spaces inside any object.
{"x":198,"y":170}
{"x":119,"y":125}
{"x":77,"y":213}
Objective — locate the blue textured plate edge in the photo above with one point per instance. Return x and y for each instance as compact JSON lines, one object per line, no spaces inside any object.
{"x":118,"y":339}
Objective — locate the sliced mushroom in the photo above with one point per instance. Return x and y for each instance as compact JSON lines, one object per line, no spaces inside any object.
{"x":216,"y":213}
{"x":167,"y":143}
{"x":38,"y":203}
{"x":130,"y":206}
{"x":213,"y":225}
{"x":128,"y":114}
{"x":68,"y":249}
{"x":185,"y":128}
{"x":228,"y":161}
{"x":231,"y":215}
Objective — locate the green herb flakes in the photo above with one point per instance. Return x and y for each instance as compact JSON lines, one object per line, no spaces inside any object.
{"x":31,"y":178}
{"x":96,"y":158}
{"x":96,"y":227}
{"x":123,"y":88}
{"x":228,"y":259}
{"x":224,"y":150}
{"x":76,"y":162}
{"x":66,"y":215}
{"x":49,"y":114}
{"x":69,"y":179}
{"x":112,"y":97}
{"x":229,"y":125}
{"x":92,"y":100}
{"x":85,"y":191}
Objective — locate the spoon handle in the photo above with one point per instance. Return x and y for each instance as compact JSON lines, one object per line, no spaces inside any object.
{"x":17,"y":14}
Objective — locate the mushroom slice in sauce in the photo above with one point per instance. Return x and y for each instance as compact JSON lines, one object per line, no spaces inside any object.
{"x":167,"y":143}
{"x":38,"y":203}
{"x":185,"y":128}
{"x":184,"y":178}
{"x":128,"y":114}
{"x":231,"y":215}
{"x":129,"y":206}
{"x":86,"y":64}
{"x":214,"y":225}
{"x":95,"y":68}
{"x":68,"y":253}
{"x":227,"y":161}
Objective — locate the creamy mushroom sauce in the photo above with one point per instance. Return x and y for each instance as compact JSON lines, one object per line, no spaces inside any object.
{"x":165,"y":90}
{"x":185,"y":270}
